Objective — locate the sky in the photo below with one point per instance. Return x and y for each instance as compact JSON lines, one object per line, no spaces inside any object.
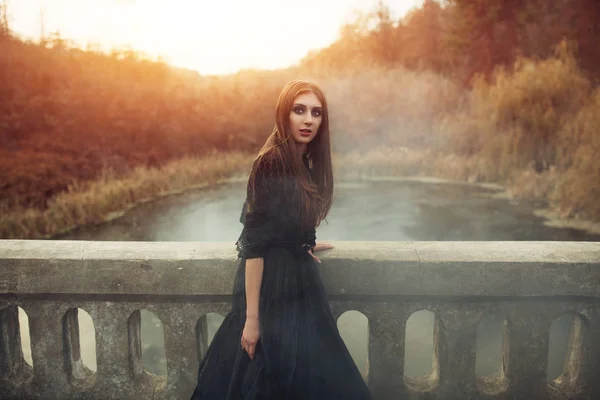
{"x":212,"y":37}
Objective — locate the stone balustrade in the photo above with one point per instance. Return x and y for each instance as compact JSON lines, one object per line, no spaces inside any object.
{"x":529,"y":284}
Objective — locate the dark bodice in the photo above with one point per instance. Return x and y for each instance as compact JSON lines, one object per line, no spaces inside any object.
{"x":274,"y":221}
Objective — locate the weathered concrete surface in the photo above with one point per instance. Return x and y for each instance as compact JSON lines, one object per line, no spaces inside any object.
{"x":529,"y":283}
{"x":352,"y":268}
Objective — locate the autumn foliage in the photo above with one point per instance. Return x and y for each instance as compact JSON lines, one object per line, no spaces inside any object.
{"x":476,"y":90}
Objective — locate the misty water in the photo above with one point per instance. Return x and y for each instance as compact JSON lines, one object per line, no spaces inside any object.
{"x":370,"y":211}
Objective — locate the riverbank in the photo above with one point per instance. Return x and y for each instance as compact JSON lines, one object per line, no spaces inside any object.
{"x":428,"y":166}
{"x":111,"y":197}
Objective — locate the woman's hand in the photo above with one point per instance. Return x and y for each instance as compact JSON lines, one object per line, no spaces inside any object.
{"x":314,"y":257}
{"x":319,"y":247}
{"x":250,"y":336}
{"x":322,"y":246}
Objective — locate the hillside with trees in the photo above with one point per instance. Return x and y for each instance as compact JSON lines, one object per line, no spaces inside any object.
{"x":489,"y":90}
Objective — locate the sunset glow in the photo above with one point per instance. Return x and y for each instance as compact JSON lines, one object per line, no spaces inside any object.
{"x":210,"y":37}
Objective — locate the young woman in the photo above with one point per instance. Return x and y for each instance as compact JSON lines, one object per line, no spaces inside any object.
{"x":280,"y":340}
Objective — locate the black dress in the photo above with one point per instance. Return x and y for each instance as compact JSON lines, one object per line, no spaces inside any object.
{"x":300,"y":354}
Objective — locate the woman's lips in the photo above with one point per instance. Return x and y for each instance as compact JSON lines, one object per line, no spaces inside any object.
{"x":305,"y":132}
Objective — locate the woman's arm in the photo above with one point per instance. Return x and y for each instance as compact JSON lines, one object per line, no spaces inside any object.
{"x":251,"y":332}
{"x":322,"y":246}
{"x":254,"y":272}
{"x":259,"y":230}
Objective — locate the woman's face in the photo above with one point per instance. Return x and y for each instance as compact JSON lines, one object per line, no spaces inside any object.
{"x":305,"y":118}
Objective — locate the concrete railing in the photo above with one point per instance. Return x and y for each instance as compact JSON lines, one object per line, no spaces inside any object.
{"x":527,"y":283}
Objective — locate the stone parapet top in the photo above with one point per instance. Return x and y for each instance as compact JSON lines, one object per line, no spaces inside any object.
{"x":349,"y":269}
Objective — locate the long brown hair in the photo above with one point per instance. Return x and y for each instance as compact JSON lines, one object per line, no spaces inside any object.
{"x":315,"y":195}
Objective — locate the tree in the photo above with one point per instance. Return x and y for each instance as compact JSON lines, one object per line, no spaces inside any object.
{"x":4,"y":29}
{"x":584,"y":30}
{"x":483,"y":34}
{"x":384,"y":35}
{"x":421,"y":37}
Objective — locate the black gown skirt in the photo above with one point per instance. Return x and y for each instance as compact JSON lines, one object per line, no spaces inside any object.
{"x":300,"y":354}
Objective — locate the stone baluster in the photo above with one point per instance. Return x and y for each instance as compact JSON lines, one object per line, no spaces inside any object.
{"x":203,"y":323}
{"x":13,"y":368}
{"x":202,"y":335}
{"x":387,"y":330}
{"x":583,"y":365}
{"x":338,"y":308}
{"x":10,"y":342}
{"x":134,"y":332}
{"x":78,"y":374}
{"x":114,"y":378}
{"x":525,"y":356}
{"x":181,"y":345}
{"x":50,"y":365}
{"x":455,"y":335}
{"x":72,"y":345}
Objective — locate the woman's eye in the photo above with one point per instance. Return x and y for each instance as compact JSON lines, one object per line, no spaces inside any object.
{"x":298,"y":110}
{"x":316,"y":113}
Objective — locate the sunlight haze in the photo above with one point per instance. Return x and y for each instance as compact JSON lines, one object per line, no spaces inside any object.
{"x":210,"y":37}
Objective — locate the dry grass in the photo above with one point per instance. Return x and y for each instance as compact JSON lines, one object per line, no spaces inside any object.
{"x":532,"y":186}
{"x":535,"y":130}
{"x":96,"y":201}
{"x":578,"y":188}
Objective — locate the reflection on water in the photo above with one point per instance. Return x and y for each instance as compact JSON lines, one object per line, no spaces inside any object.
{"x":386,"y":211}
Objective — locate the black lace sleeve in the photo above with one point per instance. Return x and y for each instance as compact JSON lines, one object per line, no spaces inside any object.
{"x":263,"y":222}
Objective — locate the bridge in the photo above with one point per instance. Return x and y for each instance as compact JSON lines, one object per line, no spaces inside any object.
{"x":528,"y":284}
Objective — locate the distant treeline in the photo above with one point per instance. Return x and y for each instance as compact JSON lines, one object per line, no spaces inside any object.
{"x":465,"y":38}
